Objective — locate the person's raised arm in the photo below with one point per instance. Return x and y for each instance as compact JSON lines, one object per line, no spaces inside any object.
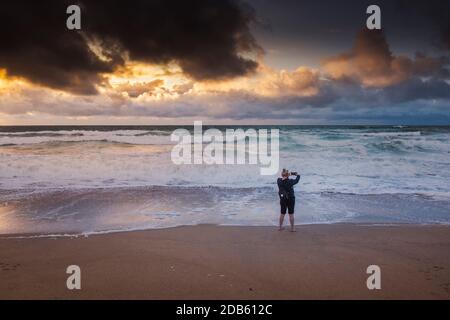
{"x":296,"y":180}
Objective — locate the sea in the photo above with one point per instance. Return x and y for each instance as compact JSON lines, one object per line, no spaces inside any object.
{"x":91,"y":179}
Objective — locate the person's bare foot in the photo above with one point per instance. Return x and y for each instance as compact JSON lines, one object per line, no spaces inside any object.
{"x":280,"y":228}
{"x":293,"y":230}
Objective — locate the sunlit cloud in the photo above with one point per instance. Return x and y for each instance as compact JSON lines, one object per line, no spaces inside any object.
{"x":218,"y":70}
{"x":371,"y":63}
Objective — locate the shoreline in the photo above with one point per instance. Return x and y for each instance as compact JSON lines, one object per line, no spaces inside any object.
{"x":233,"y":262}
{"x":86,"y":234}
{"x":83,"y":211}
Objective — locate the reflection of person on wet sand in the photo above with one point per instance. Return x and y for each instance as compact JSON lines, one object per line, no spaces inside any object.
{"x":287,"y":196}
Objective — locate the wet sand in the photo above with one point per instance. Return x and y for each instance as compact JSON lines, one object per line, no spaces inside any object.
{"x":221,"y":262}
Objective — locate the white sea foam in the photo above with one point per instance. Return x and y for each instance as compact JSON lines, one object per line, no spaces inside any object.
{"x":337,"y":160}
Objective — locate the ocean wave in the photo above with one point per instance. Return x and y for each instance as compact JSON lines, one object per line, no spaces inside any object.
{"x":56,"y":140}
{"x":55,"y":144}
{"x":89,"y":211}
{"x":39,"y":134}
{"x":28,"y":191}
{"x":153,"y":132}
{"x":368,"y":160}
{"x":393,"y":134}
{"x":391,"y":146}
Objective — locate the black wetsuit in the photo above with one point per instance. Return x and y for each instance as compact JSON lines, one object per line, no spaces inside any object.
{"x":286,"y":193}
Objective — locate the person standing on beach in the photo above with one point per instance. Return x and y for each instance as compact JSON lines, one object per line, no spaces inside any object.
{"x":287,"y":196}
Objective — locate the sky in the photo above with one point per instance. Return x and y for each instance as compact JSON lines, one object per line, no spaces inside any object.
{"x":225,"y":62}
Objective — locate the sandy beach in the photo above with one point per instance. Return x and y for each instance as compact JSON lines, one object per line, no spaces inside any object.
{"x":222,"y":262}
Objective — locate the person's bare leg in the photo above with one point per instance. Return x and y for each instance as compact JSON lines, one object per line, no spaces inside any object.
{"x":291,"y":220}
{"x":281,"y":222}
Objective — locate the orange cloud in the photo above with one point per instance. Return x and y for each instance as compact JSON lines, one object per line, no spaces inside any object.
{"x":10,"y":85}
{"x":372,"y":64}
{"x":134,"y":90}
{"x":301,"y":82}
{"x":268,"y":82}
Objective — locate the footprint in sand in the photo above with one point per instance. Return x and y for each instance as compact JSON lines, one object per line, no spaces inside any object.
{"x":8,"y":267}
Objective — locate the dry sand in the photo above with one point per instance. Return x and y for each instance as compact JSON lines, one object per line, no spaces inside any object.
{"x":215,"y":262}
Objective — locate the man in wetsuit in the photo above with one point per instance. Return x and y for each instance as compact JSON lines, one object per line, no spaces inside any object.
{"x":287,"y":196}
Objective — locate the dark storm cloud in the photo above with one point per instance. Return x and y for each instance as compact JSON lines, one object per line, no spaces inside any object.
{"x":205,"y":37}
{"x":35,"y":44}
{"x":446,"y":36}
{"x":327,"y":25}
{"x":415,"y":89}
{"x":435,"y":13}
